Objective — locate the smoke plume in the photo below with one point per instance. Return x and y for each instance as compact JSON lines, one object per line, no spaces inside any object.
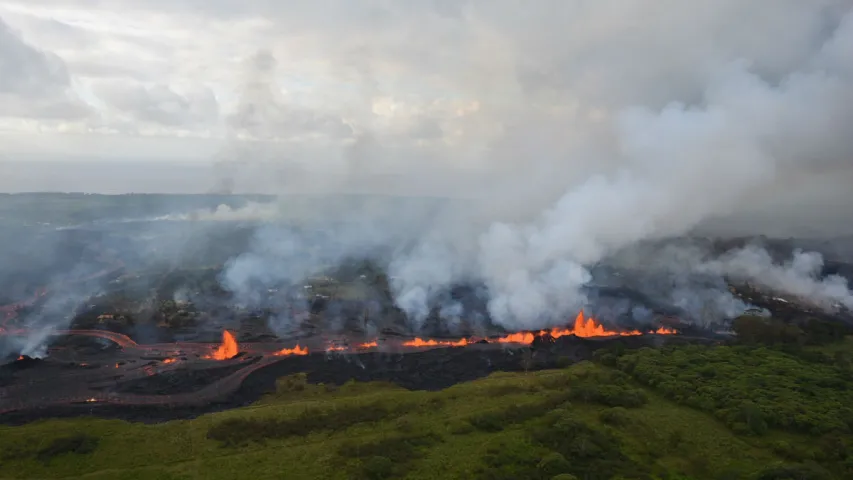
{"x":616,"y":124}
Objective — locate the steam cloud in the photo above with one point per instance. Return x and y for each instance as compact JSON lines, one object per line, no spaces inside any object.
{"x":799,"y":277}
{"x":585,"y":130}
{"x":660,"y":124}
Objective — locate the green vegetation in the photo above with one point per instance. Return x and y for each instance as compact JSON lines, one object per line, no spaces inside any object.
{"x":755,"y":412}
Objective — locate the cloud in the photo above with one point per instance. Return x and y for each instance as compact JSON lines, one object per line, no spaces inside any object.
{"x":160,"y":104}
{"x":263,"y":112}
{"x":34,"y":83}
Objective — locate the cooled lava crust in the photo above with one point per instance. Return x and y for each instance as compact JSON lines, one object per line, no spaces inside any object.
{"x":156,"y":383}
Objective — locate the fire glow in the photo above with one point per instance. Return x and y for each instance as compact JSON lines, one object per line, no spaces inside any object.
{"x":419,"y":342}
{"x":584,"y":327}
{"x":227,"y":350}
{"x":297,"y":350}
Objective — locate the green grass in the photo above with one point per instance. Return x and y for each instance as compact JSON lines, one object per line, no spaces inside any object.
{"x":504,"y":426}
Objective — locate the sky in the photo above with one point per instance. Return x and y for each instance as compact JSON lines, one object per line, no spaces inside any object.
{"x":189,"y":80}
{"x":436,"y":93}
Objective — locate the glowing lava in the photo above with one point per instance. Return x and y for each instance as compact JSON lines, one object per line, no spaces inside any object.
{"x":172,"y":360}
{"x":297,"y":350}
{"x":419,"y":342}
{"x":582,"y":327}
{"x":228,"y":349}
{"x":588,"y":328}
{"x":366,"y":345}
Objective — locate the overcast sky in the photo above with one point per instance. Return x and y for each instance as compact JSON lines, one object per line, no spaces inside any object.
{"x":426,"y":89}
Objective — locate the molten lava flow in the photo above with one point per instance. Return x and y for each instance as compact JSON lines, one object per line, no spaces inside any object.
{"x":663,"y":331}
{"x":20,"y":358}
{"x":366,"y":345}
{"x":583,"y":327}
{"x":589,"y":328}
{"x":419,"y":342}
{"x":228,"y":349}
{"x":335,"y":348}
{"x":521,"y":337}
{"x":172,"y":360}
{"x":297,"y":350}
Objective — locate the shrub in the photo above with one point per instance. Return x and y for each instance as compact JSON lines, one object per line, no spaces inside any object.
{"x":510,"y":461}
{"x":616,"y":416}
{"x":292,"y":383}
{"x":807,"y":471}
{"x":388,"y":456}
{"x":377,"y":468}
{"x":506,"y":389}
{"x":488,"y":421}
{"x":610,"y":395}
{"x":240,"y":431}
{"x":461,"y":427}
{"x":752,"y":390}
{"x":78,"y":444}
{"x":553,"y":464}
{"x":400,"y":448}
{"x":564,"y":361}
{"x":595,"y":454}
{"x":404,"y":425}
{"x":497,"y":420}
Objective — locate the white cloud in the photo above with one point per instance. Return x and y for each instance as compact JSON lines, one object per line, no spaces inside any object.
{"x":34,"y":83}
{"x":159,"y":104}
{"x":424,"y":85}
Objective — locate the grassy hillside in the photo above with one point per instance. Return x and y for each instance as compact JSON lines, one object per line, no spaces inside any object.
{"x":680,"y":413}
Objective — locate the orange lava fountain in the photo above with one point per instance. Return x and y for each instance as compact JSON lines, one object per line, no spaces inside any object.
{"x":228,"y":349}
{"x":583,"y":327}
{"x":419,"y":342}
{"x":297,"y":350}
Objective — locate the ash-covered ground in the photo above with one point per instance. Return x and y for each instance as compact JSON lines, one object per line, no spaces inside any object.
{"x":125,"y":317}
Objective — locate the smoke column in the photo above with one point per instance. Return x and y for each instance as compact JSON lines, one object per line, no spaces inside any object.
{"x":610,"y":123}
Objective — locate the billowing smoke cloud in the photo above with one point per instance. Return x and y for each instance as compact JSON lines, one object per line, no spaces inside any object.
{"x":799,"y":277}
{"x":632,"y":131}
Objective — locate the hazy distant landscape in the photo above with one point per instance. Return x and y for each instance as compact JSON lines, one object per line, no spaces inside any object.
{"x":438,"y":239}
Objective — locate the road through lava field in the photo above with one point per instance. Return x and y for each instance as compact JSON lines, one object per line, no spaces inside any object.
{"x":103,"y":372}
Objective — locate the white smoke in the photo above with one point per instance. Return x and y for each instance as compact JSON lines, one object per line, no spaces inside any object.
{"x":683,"y":115}
{"x":252,"y":212}
{"x":799,"y":277}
